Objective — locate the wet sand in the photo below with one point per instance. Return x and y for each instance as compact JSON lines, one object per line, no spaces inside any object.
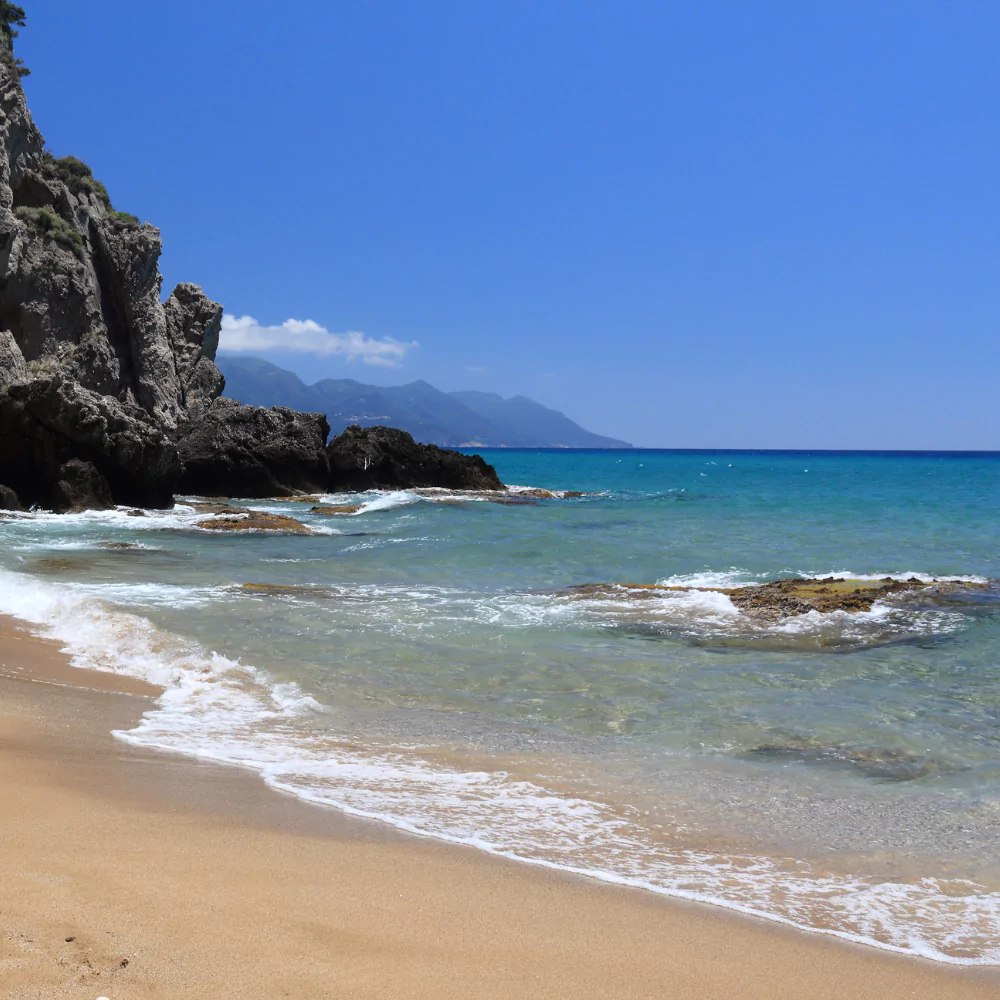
{"x":133,"y":874}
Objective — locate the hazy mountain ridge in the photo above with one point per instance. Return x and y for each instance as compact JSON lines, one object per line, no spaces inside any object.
{"x":435,"y":417}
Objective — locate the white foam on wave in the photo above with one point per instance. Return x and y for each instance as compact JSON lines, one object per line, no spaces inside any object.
{"x":732,"y":577}
{"x":179,"y":516}
{"x":389,"y":501}
{"x":219,"y":709}
{"x":149,"y":594}
{"x":900,"y":576}
{"x":736,"y":577}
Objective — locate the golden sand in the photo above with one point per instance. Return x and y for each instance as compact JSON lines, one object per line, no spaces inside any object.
{"x":132,"y":874}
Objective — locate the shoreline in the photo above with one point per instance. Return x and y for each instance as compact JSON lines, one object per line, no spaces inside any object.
{"x":205,"y":882}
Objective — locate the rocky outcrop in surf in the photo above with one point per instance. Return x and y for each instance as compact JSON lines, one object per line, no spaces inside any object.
{"x":228,"y":449}
{"x":769,"y":603}
{"x":365,"y":458}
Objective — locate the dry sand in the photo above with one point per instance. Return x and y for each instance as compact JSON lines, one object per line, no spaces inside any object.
{"x":129,"y":874}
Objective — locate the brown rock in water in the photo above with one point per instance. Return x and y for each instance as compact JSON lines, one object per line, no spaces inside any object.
{"x":780,"y":599}
{"x":338,"y":511}
{"x":878,"y":763}
{"x":785,"y":598}
{"x":203,"y":507}
{"x":257,"y":521}
{"x":365,"y":458}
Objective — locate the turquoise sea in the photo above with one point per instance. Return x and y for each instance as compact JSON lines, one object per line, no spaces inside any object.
{"x":425,"y":661}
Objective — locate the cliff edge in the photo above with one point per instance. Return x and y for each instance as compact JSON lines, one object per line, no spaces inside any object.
{"x":108,"y":394}
{"x":99,"y":378}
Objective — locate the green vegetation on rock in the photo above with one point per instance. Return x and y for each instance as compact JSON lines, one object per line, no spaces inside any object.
{"x":44,"y":220}
{"x":127,"y":217}
{"x":76,"y":175}
{"x":10,"y":15}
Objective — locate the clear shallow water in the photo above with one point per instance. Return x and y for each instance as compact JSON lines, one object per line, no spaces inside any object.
{"x":425,"y":662}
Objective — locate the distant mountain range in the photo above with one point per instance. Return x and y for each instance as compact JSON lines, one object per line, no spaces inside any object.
{"x":452,"y":419}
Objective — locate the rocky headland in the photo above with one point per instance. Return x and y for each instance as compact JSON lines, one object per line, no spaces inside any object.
{"x":364,"y":458}
{"x":109,"y":394}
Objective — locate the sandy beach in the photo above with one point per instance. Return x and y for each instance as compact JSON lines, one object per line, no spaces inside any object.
{"x":133,"y":874}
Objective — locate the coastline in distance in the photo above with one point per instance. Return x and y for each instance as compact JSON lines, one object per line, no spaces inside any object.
{"x":456,"y":419}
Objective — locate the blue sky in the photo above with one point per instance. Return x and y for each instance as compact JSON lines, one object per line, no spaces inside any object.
{"x":768,"y":224}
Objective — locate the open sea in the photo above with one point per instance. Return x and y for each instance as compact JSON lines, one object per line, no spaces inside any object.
{"x":425,"y":662}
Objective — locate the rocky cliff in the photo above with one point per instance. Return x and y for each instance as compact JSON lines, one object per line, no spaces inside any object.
{"x":372,"y":458}
{"x":110,"y":395}
{"x":100,"y":380}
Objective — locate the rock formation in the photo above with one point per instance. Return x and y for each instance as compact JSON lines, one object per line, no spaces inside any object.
{"x":364,"y":458}
{"x":247,"y":451}
{"x":103,"y":386}
{"x":109,"y":395}
{"x":769,"y":603}
{"x":257,"y":521}
{"x":96,"y":373}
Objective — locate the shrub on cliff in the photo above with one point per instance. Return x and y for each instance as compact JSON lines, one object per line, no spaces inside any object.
{"x":75,"y":174}
{"x":124,"y":217}
{"x":11,"y":14}
{"x":55,"y":227}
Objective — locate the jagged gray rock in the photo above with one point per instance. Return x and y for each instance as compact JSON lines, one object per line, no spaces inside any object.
{"x":51,"y":420}
{"x":79,"y":486}
{"x":229,"y":449}
{"x":94,"y":368}
{"x":105,"y":389}
{"x":193,"y":325}
{"x":9,"y":500}
{"x":364,"y":458}
{"x":13,"y":367}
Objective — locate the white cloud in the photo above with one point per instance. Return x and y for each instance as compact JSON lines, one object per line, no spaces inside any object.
{"x":243,"y":334}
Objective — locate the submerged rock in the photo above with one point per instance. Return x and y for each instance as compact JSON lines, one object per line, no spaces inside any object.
{"x":229,"y":449}
{"x":878,"y":763}
{"x":364,"y":458}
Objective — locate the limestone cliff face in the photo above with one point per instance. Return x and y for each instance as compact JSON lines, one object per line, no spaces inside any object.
{"x":94,"y":367}
{"x":80,"y":289}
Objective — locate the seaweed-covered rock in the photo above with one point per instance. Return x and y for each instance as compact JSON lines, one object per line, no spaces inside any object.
{"x":256,"y":521}
{"x":248,"y":451}
{"x":364,"y":458}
